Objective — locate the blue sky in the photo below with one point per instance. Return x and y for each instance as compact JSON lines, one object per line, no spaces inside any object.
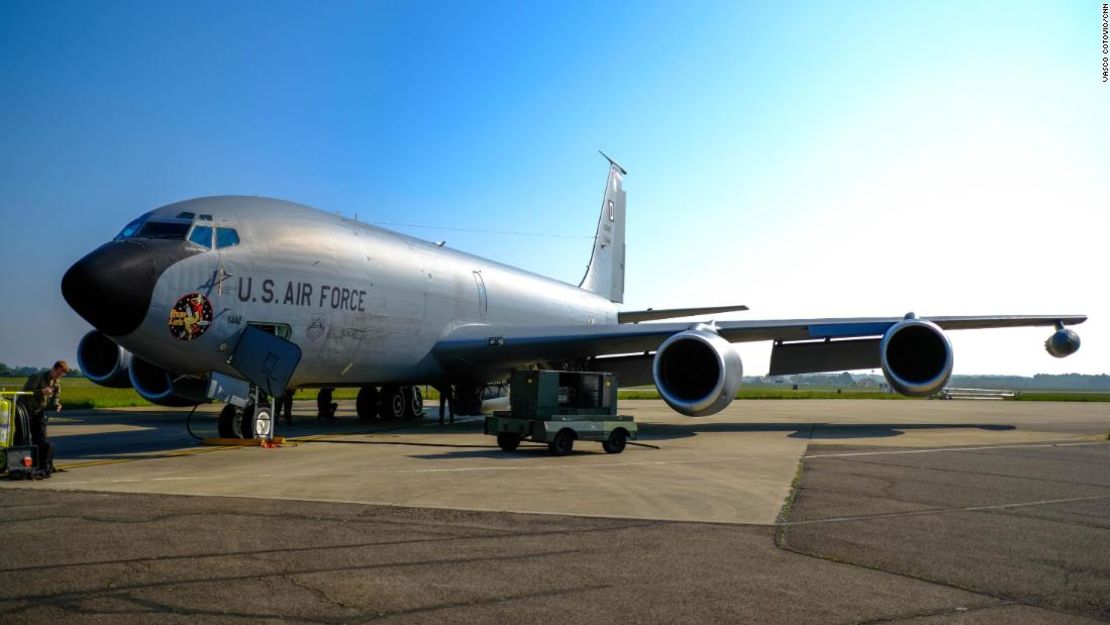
{"x":806,"y":159}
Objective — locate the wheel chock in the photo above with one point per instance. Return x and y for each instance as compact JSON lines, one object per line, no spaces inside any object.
{"x":244,"y":442}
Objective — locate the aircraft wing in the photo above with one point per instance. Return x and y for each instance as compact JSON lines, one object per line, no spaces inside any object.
{"x":484,"y":346}
{"x":651,"y":314}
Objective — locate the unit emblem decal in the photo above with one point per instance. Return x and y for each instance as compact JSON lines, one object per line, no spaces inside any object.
{"x":190,"y":317}
{"x":315,"y":329}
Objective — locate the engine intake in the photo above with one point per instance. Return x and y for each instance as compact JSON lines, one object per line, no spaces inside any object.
{"x":916,"y":357}
{"x":158,"y":386}
{"x":697,"y":372}
{"x":102,"y":361}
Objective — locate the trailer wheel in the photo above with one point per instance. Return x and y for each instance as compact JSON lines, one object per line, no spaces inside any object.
{"x":508,"y":441}
{"x":563,"y":443}
{"x":616,"y":443}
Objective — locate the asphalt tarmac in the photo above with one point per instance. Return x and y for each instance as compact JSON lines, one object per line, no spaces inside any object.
{"x":956,"y":512}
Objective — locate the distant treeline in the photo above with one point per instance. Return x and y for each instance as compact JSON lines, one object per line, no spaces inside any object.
{"x":1039,"y":382}
{"x":20,"y":372}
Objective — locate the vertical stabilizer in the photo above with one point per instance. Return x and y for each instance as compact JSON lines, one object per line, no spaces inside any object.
{"x":605,"y":274}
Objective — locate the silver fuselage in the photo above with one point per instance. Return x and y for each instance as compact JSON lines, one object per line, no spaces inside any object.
{"x":366,"y":305}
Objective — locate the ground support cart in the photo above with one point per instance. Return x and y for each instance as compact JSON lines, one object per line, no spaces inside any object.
{"x":559,"y":408}
{"x":18,"y":458}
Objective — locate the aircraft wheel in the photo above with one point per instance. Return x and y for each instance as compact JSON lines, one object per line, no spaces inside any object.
{"x":508,"y":441}
{"x":563,"y":443}
{"x":414,"y":407}
{"x":393,"y":402}
{"x":616,"y":443}
{"x":261,"y":424}
{"x":367,"y":403}
{"x":226,"y":423}
{"x":243,"y":423}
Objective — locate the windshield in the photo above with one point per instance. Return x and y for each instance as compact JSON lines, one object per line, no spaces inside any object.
{"x":163,"y":230}
{"x":164,"y":227}
{"x":146,"y":228}
{"x":130,"y":229}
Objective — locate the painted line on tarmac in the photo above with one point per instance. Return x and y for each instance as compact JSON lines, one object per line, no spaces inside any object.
{"x":1002,"y":506}
{"x":851,"y":454}
{"x":133,"y":480}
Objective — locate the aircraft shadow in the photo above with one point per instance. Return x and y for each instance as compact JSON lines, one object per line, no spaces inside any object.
{"x":155,"y":433}
{"x":143,"y":433}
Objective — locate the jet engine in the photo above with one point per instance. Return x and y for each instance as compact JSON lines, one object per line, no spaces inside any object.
{"x":697,"y":372}
{"x":916,"y":357}
{"x":159,"y":386}
{"x":102,"y":361}
{"x":1062,"y":343}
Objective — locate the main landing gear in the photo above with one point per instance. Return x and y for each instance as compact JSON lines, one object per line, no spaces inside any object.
{"x":235,"y":422}
{"x":392,"y":402}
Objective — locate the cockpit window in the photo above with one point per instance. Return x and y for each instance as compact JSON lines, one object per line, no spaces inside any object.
{"x":163,"y":230}
{"x":202,"y":235}
{"x":130,"y":229}
{"x":161,"y":227}
{"x":226,"y":237}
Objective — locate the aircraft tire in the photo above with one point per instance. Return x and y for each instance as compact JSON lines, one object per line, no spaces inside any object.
{"x":394,"y":405}
{"x":616,"y":443}
{"x":261,"y":424}
{"x":368,"y":404}
{"x":414,"y":407}
{"x":508,"y":441}
{"x":226,"y":423}
{"x":563,"y":443}
{"x":243,"y":423}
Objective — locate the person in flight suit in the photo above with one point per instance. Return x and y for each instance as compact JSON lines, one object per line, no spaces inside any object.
{"x":45,"y":395}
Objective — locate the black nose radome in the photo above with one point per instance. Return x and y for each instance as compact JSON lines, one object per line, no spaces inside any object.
{"x":112,"y":286}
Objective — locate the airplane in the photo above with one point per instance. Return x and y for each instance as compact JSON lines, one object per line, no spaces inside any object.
{"x":236,"y":298}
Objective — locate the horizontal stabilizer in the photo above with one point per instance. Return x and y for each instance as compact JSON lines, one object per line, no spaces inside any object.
{"x":636,"y":316}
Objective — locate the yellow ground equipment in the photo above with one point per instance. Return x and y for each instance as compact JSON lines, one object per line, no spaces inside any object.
{"x":18,"y":456}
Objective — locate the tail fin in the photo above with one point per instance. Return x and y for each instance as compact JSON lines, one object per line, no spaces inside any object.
{"x":605,"y":273}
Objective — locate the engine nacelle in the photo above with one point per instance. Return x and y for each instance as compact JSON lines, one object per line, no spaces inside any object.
{"x":1062,"y":343}
{"x":697,"y":372}
{"x":916,"y":357}
{"x":159,"y":386}
{"x":102,"y":361}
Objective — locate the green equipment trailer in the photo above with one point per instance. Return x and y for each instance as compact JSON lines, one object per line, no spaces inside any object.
{"x":559,"y":408}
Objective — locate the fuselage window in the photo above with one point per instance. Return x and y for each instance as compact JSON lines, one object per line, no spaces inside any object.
{"x":202,"y":236}
{"x":226,"y":237}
